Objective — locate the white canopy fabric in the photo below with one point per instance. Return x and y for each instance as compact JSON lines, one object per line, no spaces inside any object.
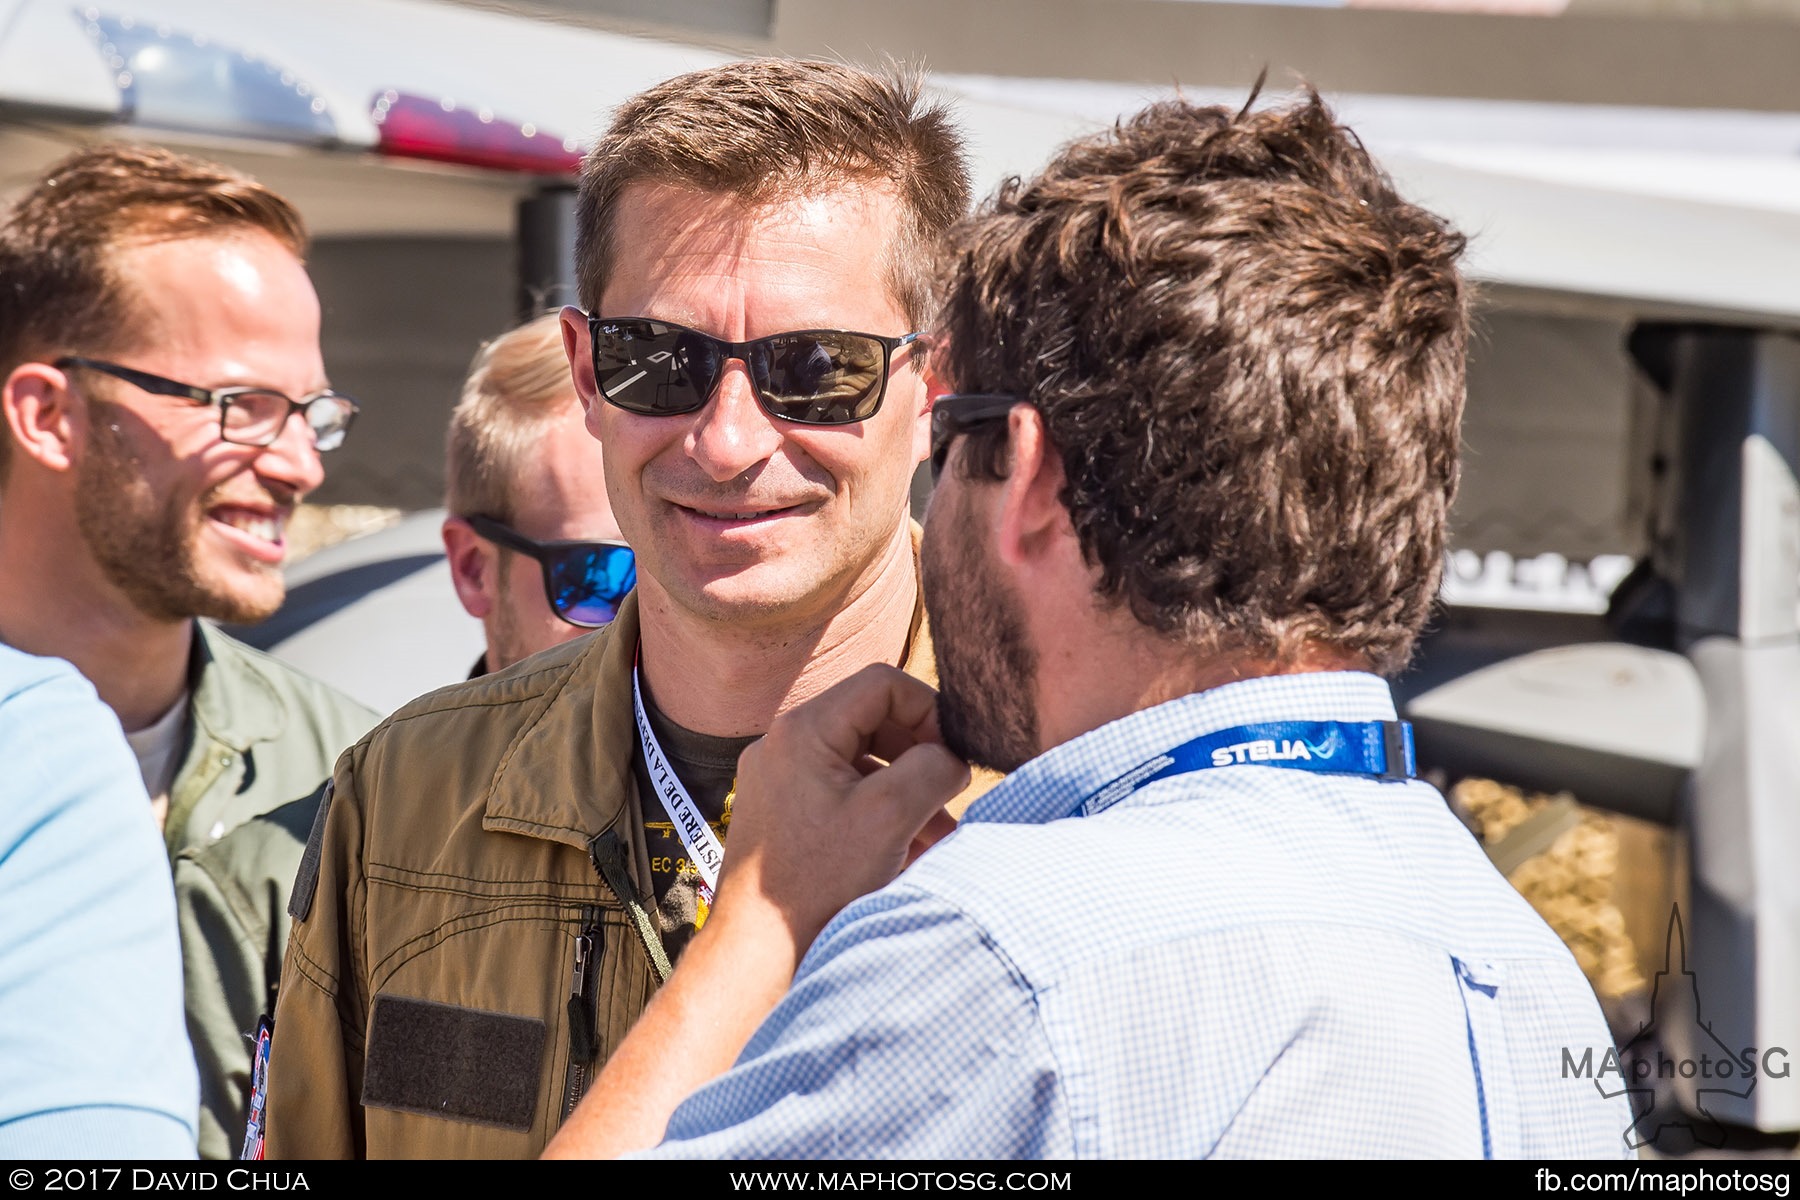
{"x":1657,"y":207}
{"x":1690,"y":210}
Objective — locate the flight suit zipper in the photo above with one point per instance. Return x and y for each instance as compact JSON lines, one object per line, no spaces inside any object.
{"x":584,"y":1016}
{"x":608,"y":855}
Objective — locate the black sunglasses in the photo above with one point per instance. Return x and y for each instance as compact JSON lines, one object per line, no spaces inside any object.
{"x":955,"y":414}
{"x":585,"y":582}
{"x":248,"y":416}
{"x":809,"y":377}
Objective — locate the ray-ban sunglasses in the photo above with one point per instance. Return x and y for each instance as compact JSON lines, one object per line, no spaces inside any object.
{"x":809,"y":377}
{"x":585,"y":582}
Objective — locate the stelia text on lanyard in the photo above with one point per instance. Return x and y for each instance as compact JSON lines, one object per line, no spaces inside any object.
{"x":1383,"y":749}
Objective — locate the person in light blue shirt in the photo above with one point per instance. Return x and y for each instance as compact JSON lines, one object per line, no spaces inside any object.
{"x":1192,"y":506}
{"x":94,"y":1053}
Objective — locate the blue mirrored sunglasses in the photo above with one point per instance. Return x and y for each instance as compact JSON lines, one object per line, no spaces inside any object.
{"x":585,"y":582}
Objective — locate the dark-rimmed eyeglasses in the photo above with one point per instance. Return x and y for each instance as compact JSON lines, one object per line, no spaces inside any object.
{"x":954,"y":414}
{"x":585,"y":582}
{"x":248,"y":416}
{"x":809,"y":376}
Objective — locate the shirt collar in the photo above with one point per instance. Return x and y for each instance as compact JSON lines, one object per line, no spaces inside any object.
{"x":1054,"y":784}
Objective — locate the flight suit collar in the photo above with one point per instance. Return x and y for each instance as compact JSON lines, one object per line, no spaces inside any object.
{"x":235,"y":708}
{"x":566,"y":776}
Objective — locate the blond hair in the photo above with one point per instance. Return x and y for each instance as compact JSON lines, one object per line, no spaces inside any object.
{"x":518,"y":384}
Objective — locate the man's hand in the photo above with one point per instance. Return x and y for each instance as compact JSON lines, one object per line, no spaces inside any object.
{"x":841,"y":795}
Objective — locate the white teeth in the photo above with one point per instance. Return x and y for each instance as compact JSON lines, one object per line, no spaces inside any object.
{"x":266,"y":528}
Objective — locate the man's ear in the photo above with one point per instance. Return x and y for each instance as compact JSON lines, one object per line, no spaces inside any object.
{"x":935,"y":384}
{"x":578,"y":346}
{"x":1031,"y":518}
{"x":474,"y":567}
{"x":934,"y":387}
{"x":43,"y":415}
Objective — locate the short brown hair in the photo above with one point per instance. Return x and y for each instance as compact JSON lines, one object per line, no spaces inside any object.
{"x":770,"y":129}
{"x":58,"y":288}
{"x":518,"y":384}
{"x":1249,"y":352}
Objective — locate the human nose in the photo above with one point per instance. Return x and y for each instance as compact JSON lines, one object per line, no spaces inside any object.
{"x":732,"y":432}
{"x":292,"y":459}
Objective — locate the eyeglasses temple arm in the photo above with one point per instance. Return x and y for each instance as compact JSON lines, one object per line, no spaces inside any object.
{"x":156,"y":385}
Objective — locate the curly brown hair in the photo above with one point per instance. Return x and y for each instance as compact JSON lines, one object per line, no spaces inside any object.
{"x":771,"y":129}
{"x":59,"y":290}
{"x":1249,"y":352}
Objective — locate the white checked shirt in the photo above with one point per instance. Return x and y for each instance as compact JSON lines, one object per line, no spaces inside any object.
{"x":1247,"y":961}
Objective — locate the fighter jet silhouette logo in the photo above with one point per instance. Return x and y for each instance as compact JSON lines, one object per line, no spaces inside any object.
{"x":1650,"y":1125}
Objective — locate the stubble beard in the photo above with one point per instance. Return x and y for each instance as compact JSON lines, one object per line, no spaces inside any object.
{"x":803,"y":582}
{"x":150,"y":551}
{"x":987,"y":669}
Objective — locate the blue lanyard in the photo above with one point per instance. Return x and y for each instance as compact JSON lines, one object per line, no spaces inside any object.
{"x":1383,"y":749}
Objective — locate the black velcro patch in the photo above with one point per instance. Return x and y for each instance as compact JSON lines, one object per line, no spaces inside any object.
{"x":462,"y":1064}
{"x":306,"y":880}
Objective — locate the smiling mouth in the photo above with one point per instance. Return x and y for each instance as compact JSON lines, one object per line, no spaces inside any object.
{"x":754,"y":515}
{"x":263,"y":526}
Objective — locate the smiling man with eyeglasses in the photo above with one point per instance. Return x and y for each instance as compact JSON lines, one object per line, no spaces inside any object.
{"x":507,"y":868}
{"x":165,"y":407}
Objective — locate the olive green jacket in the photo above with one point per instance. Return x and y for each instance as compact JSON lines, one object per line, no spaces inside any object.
{"x":262,"y":739}
{"x":477,"y":940}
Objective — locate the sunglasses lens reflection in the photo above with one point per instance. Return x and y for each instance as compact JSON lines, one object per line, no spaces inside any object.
{"x":587,"y":585}
{"x":649,"y":367}
{"x":819,"y":378}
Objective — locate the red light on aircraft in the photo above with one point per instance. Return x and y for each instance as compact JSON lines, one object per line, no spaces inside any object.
{"x":442,"y":131}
